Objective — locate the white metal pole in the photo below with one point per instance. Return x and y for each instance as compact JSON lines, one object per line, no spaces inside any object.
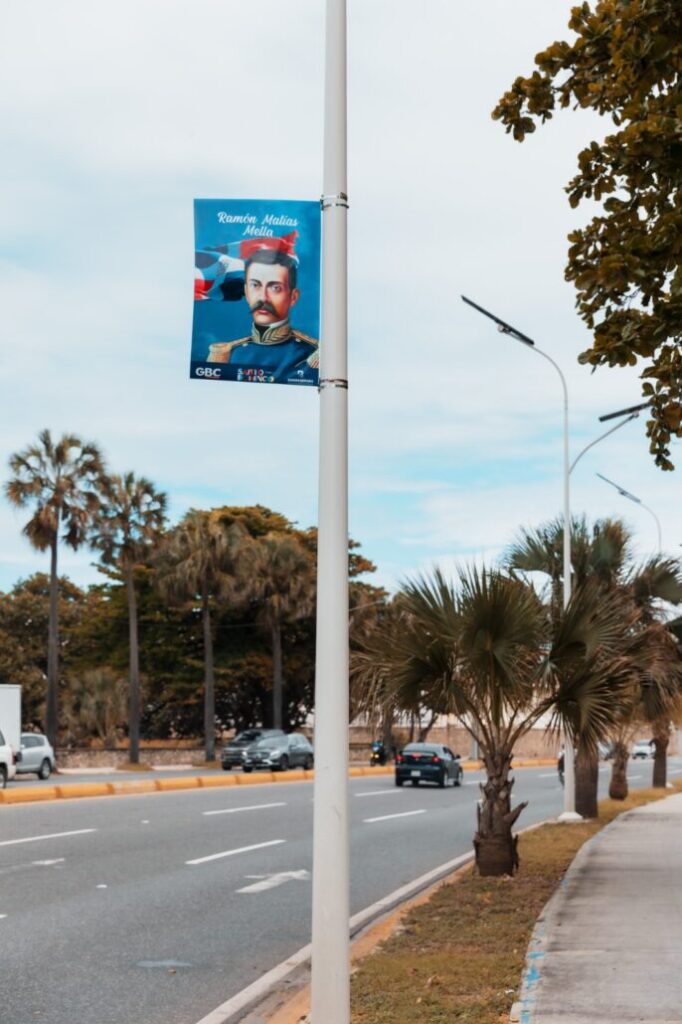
{"x":569,"y":812}
{"x":330,"y":982}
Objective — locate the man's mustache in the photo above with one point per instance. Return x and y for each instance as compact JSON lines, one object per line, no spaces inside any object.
{"x":265,"y":306}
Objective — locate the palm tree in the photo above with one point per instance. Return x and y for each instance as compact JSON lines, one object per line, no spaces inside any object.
{"x":602,"y":553}
{"x":490,"y":653}
{"x":204,"y":557}
{"x":127,"y":529}
{"x":282,"y":582}
{"x":61,"y":481}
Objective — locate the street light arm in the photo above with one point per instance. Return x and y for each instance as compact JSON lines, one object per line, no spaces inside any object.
{"x":632,"y":416}
{"x":658,"y":526}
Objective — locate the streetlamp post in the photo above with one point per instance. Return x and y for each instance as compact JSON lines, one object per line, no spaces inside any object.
{"x":330,"y":964}
{"x":638,"y":501}
{"x":569,"y":812}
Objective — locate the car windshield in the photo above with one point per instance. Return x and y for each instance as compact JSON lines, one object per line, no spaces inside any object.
{"x":248,"y":736}
{"x":421,"y":748}
{"x":269,"y":742}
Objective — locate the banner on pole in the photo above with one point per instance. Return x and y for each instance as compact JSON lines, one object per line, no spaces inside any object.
{"x":256,"y":291}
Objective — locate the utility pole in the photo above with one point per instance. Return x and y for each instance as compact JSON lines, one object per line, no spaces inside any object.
{"x":330,"y":982}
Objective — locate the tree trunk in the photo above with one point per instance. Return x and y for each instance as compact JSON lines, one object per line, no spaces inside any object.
{"x":661,"y":731}
{"x":209,"y":681}
{"x":134,"y":673}
{"x":425,"y":730}
{"x":494,"y":843}
{"x":586,"y":782}
{"x":618,"y":788}
{"x":411,"y":740}
{"x":277,"y":676}
{"x":52,"y":702}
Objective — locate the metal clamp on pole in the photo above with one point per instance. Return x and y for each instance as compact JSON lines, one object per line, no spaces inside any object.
{"x":335,"y":199}
{"x":332,"y":382}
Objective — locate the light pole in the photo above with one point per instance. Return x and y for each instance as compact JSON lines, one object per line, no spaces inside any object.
{"x":638,"y":501}
{"x":569,"y":812}
{"x":631,"y":414}
{"x":330,"y":963}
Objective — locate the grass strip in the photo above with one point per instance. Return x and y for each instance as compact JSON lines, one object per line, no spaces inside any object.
{"x":460,"y":956}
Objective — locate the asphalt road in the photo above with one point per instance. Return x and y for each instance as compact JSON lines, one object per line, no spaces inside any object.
{"x":137,"y":915}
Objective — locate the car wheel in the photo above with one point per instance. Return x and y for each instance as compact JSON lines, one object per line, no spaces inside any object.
{"x":44,"y":770}
{"x":398,"y":781}
{"x":284,"y":764}
{"x":3,"y":776}
{"x":415,"y":782}
{"x":308,"y":763}
{"x":246,"y":770}
{"x":442,"y":780}
{"x":226,"y":767}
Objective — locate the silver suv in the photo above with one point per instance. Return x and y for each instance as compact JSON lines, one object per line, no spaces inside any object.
{"x":37,"y":755}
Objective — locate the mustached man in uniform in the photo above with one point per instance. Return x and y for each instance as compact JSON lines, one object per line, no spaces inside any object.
{"x":274,"y":352}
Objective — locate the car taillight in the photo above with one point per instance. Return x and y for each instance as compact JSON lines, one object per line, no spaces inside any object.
{"x":435,"y":759}
{"x":398,"y":758}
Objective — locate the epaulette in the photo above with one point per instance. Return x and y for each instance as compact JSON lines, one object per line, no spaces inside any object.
{"x":300,"y":336}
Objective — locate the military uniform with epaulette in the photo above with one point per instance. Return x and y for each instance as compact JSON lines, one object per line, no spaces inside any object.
{"x":273,"y":355}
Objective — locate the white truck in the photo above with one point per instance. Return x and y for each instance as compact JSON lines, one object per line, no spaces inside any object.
{"x":10,"y":730}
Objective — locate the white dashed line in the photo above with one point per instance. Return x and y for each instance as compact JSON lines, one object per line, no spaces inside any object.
{"x":231,"y":853}
{"x":236,"y":810}
{"x":52,"y":835}
{"x":385,"y":817}
{"x":379,"y":792}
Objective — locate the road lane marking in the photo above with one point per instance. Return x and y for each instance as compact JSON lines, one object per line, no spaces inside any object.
{"x":385,"y":817}
{"x":231,"y":853}
{"x":52,"y":835}
{"x":273,"y":881}
{"x":675,"y":771}
{"x":379,"y":792}
{"x":236,"y":810}
{"x":634,"y":776}
{"x":48,"y":863}
{"x":2,"y":917}
{"x":548,"y":775}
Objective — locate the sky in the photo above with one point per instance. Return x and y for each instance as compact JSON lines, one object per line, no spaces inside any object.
{"x":114,"y":117}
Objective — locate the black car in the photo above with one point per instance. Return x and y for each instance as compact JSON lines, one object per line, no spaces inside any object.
{"x":428,"y":762}
{"x":277,"y":753}
{"x":231,"y":755}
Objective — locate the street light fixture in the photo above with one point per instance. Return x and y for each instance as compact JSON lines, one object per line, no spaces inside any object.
{"x":569,"y":813}
{"x":638,"y":501}
{"x":631,"y":414}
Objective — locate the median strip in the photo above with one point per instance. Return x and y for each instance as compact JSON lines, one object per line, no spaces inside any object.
{"x":232,"y":853}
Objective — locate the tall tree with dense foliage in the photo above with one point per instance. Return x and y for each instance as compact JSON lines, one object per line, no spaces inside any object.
{"x":625,"y":62}
{"x":282,"y":582}
{"x":203,"y":559}
{"x":127,"y":530}
{"x":60,"y":481}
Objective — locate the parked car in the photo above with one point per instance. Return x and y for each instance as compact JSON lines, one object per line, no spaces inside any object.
{"x":643,"y":748}
{"x":37,"y":755}
{"x":8,"y":762}
{"x":428,"y":762}
{"x":231,"y":754}
{"x":277,"y":753}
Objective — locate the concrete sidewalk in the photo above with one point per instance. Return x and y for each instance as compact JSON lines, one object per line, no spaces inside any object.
{"x":608,"y":947}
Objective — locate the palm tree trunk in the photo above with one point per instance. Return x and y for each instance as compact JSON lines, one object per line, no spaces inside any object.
{"x":426,"y":729}
{"x":134,"y":672}
{"x":586,"y":782}
{"x":52,"y":703}
{"x":277,"y":675}
{"x":661,"y":731}
{"x":209,"y":681}
{"x":494,"y":843}
{"x":618,"y":787}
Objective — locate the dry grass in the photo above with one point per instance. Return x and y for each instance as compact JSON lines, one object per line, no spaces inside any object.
{"x":142,"y":766}
{"x":460,"y":956}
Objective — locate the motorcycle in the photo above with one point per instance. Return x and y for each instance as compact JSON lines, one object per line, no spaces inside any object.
{"x":378,"y":755}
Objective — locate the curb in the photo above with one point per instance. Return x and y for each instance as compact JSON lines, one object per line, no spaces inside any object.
{"x":78,"y":790}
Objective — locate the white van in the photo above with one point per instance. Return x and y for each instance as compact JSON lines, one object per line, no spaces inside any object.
{"x":8,"y":764}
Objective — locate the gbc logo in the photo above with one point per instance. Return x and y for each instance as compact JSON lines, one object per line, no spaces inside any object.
{"x":208,"y":371}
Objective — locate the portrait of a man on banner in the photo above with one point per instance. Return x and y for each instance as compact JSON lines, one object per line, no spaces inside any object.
{"x":262,"y":277}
